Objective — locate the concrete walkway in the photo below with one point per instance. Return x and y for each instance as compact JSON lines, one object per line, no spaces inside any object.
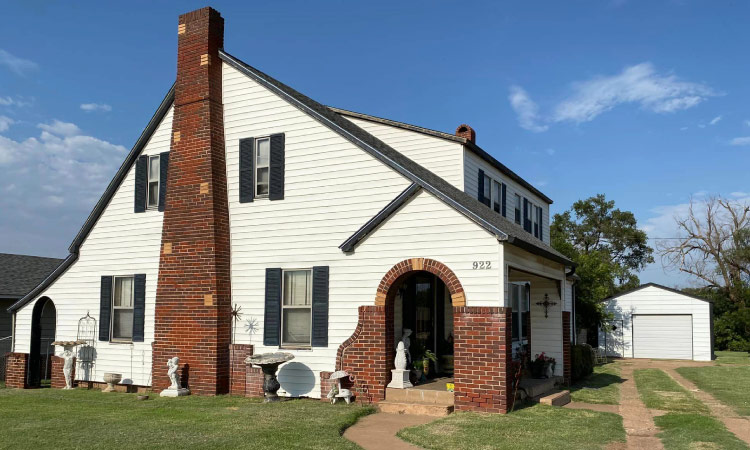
{"x":636,"y":418}
{"x":740,"y":426}
{"x":378,"y":431}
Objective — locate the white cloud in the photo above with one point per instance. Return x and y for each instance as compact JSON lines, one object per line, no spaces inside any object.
{"x":738,"y":194}
{"x":5,"y":123}
{"x":639,"y":84}
{"x":526,"y":110}
{"x":17,"y":65}
{"x":91,"y":107}
{"x":715,"y":120}
{"x":18,"y":101}
{"x":740,"y":141}
{"x":51,"y":182}
{"x":60,"y":128}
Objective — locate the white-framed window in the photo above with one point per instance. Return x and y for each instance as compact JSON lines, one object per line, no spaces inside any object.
{"x":487,"y":194}
{"x":261,"y":164}
{"x":518,"y":209}
{"x":519,"y":295}
{"x":152,"y":190}
{"x":497,"y":192}
{"x":122,"y":309}
{"x":296,"y":308}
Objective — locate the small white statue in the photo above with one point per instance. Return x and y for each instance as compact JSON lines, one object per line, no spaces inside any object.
{"x":68,"y":367}
{"x":400,"y":361}
{"x":407,"y":343}
{"x":174,"y":389}
{"x":337,"y":391}
{"x":173,"y":364}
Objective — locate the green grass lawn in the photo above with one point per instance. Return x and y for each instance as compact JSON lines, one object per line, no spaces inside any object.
{"x":740,"y":358}
{"x":537,"y":427}
{"x":694,"y":431}
{"x":52,"y":418}
{"x":728,"y":383}
{"x":659,"y":391}
{"x":602,"y":386}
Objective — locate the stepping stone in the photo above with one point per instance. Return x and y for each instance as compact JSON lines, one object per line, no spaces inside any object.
{"x":557,"y":398}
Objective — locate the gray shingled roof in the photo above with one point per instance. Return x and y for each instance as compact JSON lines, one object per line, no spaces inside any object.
{"x":19,"y":274}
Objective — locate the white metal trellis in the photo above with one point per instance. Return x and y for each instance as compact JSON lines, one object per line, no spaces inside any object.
{"x":86,"y":352}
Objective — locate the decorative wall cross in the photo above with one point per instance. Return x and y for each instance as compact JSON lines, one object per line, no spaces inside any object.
{"x":546,"y":303}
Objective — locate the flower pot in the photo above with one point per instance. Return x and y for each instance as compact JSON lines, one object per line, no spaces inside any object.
{"x":111,"y":379}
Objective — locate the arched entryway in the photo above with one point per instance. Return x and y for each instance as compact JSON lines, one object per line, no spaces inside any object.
{"x":43,"y":323}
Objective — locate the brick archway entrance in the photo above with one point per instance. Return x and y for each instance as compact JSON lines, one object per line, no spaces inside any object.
{"x":482,"y":343}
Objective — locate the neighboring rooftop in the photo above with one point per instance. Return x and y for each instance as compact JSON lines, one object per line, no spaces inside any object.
{"x":449,"y":137}
{"x":19,"y":274}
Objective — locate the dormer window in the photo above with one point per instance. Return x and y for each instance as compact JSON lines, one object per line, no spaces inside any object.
{"x":262,"y":161}
{"x":153,"y":182}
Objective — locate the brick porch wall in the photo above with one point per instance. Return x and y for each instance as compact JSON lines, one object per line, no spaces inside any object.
{"x":15,"y":370}
{"x":57,"y":377}
{"x":325,"y":385}
{"x":238,"y":376}
{"x":364,"y":355}
{"x":253,"y":382}
{"x":482,"y":349}
{"x":567,"y":361}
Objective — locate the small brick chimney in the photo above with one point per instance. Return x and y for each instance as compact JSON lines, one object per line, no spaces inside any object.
{"x":193,"y":295}
{"x":466,"y":132}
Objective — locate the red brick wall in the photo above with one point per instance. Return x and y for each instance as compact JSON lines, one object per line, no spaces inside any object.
{"x":15,"y":370}
{"x":482,"y":349}
{"x":57,"y":379}
{"x":237,"y":355}
{"x":567,"y":362}
{"x":253,"y":382}
{"x":365,"y":355}
{"x":193,"y":304}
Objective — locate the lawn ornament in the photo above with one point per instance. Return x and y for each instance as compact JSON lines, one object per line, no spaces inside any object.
{"x":337,"y":391}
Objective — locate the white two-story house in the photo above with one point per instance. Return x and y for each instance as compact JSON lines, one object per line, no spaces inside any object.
{"x":249,"y":218}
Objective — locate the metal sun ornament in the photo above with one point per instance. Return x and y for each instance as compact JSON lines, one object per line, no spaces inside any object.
{"x":251,"y":325}
{"x":546,"y":303}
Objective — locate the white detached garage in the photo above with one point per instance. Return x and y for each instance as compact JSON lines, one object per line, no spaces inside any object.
{"x":654,"y":321}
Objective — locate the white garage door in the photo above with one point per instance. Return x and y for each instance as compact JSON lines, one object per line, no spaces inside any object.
{"x":663,"y":336}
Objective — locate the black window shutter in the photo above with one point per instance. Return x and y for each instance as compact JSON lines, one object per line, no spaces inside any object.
{"x":105,"y":307}
{"x":480,"y":186}
{"x":320,"y":306}
{"x":141,"y":167}
{"x":163,"y":166}
{"x":505,"y":203}
{"x":276,"y":168}
{"x":526,"y":221}
{"x":247,"y":189}
{"x":139,"y":306}
{"x":272,"y":316}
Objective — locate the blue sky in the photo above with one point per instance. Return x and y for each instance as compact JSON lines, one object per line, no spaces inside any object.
{"x":643,"y":101}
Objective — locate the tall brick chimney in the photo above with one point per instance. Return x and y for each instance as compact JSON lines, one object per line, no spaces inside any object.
{"x":193,"y":296}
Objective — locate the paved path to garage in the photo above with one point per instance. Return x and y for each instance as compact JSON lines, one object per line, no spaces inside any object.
{"x":378,"y":431}
{"x":636,"y":418}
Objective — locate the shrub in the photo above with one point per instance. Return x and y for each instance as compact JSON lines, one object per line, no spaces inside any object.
{"x":732,"y":331}
{"x":582,"y":361}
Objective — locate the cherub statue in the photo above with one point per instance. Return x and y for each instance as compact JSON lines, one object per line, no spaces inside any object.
{"x":68,"y":368}
{"x":173,"y":364}
{"x":407,"y":342}
{"x":400,"y":361}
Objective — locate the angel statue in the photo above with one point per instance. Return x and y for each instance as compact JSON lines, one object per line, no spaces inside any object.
{"x":173,"y":364}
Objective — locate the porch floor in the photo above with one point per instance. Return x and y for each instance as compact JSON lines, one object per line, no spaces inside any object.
{"x":436,"y":384}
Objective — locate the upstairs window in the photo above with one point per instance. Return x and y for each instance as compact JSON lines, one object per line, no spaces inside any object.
{"x":262,"y":162}
{"x":487,"y":195}
{"x":518,"y":209}
{"x":536,"y":211}
{"x":496,"y":195}
{"x":153,"y":182}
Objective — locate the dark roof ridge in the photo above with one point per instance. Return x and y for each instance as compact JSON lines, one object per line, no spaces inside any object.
{"x":656,"y":285}
{"x":450,"y":137}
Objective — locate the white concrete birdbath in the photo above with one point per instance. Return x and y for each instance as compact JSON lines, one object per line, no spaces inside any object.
{"x":269,"y":363}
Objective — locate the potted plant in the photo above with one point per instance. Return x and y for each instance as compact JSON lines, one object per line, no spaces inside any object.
{"x":541,"y":365}
{"x":426,"y":358}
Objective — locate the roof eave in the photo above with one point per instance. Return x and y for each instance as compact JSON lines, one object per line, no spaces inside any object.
{"x":523,"y":245}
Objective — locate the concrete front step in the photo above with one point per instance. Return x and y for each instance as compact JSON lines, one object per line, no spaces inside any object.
{"x":419,"y":409}
{"x":420,"y":396}
{"x":556,"y":398}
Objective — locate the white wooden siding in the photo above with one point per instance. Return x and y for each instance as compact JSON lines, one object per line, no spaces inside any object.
{"x":121,"y":243}
{"x":472,"y":164}
{"x":655,"y":300}
{"x":442,"y":157}
{"x":546,"y":332}
{"x":331,"y":189}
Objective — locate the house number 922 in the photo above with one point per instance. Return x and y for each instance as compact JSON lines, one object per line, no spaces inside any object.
{"x":481,"y":265}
